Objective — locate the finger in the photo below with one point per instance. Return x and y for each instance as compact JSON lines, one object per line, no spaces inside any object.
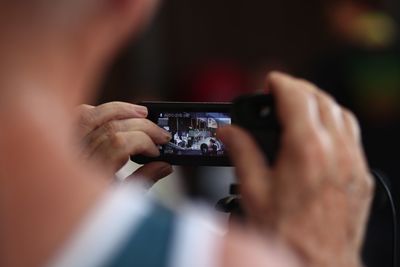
{"x":153,"y":171}
{"x":330,"y":114}
{"x":92,"y":118}
{"x":80,"y":113}
{"x":352,"y":126}
{"x":108,"y":130}
{"x":353,"y":133}
{"x":304,"y":141}
{"x":116,"y":150}
{"x":251,"y":168}
{"x":297,"y":108}
{"x":84,"y":108}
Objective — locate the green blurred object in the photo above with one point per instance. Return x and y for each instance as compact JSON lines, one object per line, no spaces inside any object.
{"x":375,"y":80}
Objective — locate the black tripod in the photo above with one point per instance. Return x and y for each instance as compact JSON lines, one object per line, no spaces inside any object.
{"x":232,"y":204}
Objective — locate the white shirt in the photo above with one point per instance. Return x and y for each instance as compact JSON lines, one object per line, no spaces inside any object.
{"x":103,"y":233}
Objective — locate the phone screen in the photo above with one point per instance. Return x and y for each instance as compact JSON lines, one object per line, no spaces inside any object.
{"x":193,"y":127}
{"x":193,"y":133}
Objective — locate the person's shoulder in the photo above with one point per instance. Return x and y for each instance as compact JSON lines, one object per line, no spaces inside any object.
{"x":167,"y":237}
{"x":149,"y":243}
{"x":105,"y":228}
{"x":129,"y":228}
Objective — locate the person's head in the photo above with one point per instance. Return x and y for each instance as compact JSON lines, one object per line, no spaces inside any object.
{"x":56,"y":34}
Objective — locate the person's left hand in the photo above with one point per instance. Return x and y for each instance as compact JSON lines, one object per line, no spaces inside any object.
{"x":111,"y":132}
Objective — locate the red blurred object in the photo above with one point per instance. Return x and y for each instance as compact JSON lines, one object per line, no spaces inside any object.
{"x":218,"y":82}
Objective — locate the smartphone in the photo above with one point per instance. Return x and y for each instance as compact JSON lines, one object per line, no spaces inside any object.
{"x":193,"y":127}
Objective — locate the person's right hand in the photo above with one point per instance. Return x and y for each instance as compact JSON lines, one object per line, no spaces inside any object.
{"x":111,"y":132}
{"x":316,"y":196}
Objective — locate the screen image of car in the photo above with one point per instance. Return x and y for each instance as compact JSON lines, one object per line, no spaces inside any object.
{"x":193,"y":133}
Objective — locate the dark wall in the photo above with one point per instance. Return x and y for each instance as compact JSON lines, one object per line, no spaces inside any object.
{"x":189,"y":34}
{"x":255,"y":36}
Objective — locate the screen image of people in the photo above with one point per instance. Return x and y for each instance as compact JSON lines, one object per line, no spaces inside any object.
{"x":193,"y":133}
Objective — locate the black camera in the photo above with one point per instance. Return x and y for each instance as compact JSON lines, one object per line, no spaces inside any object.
{"x":257,"y":114}
{"x":193,"y":127}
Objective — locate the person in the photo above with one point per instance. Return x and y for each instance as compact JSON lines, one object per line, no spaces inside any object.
{"x":59,"y":205}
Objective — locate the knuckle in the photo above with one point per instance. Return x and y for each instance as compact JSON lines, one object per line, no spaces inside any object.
{"x":349,"y":114}
{"x":83,"y":108}
{"x":328,"y":97}
{"x":110,"y":128}
{"x":308,"y":85}
{"x":326,"y":107}
{"x":352,"y":122}
{"x":369,"y":183}
{"x":88,"y":117}
{"x":326,"y":100}
{"x":118,"y":141}
{"x":351,"y":117}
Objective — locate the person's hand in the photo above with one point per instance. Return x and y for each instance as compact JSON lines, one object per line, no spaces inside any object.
{"x":317,"y":194}
{"x":111,"y":132}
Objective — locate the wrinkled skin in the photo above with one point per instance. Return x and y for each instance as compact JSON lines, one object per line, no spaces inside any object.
{"x":317,"y":195}
{"x":111,"y":132}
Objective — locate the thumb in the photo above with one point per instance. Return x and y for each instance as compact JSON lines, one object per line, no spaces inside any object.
{"x":251,"y":168}
{"x":153,"y":171}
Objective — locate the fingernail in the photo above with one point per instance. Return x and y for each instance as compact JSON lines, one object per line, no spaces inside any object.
{"x":168,"y":135}
{"x":167,"y":169}
{"x":142,"y":110}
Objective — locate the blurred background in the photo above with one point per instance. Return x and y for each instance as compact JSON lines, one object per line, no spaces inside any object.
{"x":215,"y":50}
